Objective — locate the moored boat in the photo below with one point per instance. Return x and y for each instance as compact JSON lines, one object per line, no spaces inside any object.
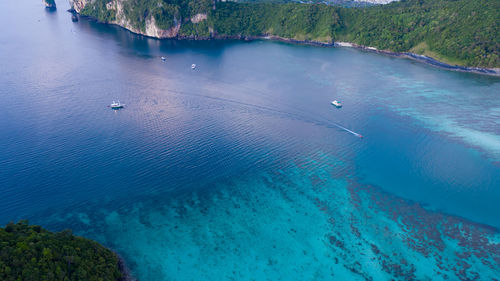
{"x":116,"y":105}
{"x":337,"y":104}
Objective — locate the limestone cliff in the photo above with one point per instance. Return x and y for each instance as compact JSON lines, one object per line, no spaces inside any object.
{"x":115,"y":12}
{"x":78,"y":5}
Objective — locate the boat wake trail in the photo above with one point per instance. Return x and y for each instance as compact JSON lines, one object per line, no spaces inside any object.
{"x":347,"y":130}
{"x":325,"y":121}
{"x":299,"y":116}
{"x":322,"y":121}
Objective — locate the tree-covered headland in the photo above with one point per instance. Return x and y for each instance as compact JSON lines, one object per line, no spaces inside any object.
{"x":459,"y":32}
{"x":29,"y":252}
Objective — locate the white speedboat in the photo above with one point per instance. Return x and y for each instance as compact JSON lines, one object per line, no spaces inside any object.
{"x":337,"y":104}
{"x":116,"y":105}
{"x":193,"y":66}
{"x":163,"y":58}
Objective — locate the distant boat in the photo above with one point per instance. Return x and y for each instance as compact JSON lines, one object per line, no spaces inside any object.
{"x":337,"y":104}
{"x":193,"y":66}
{"x":116,"y":105}
{"x":163,"y":58}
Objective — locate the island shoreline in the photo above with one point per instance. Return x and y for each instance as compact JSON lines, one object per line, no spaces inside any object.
{"x":406,"y":55}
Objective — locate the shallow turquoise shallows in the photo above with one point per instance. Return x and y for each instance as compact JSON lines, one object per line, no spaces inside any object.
{"x":241,"y":169}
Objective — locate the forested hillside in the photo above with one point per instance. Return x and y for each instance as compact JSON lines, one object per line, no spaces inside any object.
{"x":454,"y":31}
{"x":296,"y":21}
{"x":459,"y":32}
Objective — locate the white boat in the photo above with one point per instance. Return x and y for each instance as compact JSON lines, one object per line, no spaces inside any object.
{"x":193,"y":66}
{"x":337,"y":104}
{"x":116,"y":105}
{"x":163,"y":58}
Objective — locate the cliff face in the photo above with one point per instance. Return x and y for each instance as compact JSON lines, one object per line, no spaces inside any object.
{"x":154,"y":31}
{"x":115,"y":12}
{"x":78,"y":5}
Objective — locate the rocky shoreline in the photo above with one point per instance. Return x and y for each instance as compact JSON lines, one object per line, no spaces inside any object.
{"x":424,"y":59}
{"x":127,"y":275}
{"x":408,"y":55}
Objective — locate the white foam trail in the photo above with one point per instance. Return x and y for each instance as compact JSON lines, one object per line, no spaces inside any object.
{"x":347,"y":130}
{"x":261,"y":107}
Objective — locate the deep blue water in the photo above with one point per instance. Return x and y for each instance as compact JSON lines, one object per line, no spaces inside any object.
{"x":238,"y":169}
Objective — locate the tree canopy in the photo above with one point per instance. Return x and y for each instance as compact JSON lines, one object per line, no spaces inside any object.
{"x":29,"y":252}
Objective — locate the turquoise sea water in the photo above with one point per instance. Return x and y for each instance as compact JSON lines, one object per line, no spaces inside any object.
{"x":238,"y":170}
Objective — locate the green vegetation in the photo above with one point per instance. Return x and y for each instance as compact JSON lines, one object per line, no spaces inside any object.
{"x":32,"y":253}
{"x":460,"y":32}
{"x":200,"y":29}
{"x":456,"y":31}
{"x":99,"y":11}
{"x":296,"y":21}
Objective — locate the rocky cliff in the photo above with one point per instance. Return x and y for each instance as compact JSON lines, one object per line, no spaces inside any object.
{"x":78,"y":5}
{"x":140,"y":17}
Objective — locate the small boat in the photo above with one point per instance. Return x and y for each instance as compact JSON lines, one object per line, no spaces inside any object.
{"x":163,"y":58}
{"x":193,"y":66}
{"x":116,"y":105}
{"x":337,"y":104}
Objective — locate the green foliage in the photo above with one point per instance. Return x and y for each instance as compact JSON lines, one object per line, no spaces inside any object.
{"x":32,"y":253}
{"x":196,"y":30}
{"x":461,"y":31}
{"x":298,"y":21}
{"x":166,"y":16}
{"x":98,"y":10}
